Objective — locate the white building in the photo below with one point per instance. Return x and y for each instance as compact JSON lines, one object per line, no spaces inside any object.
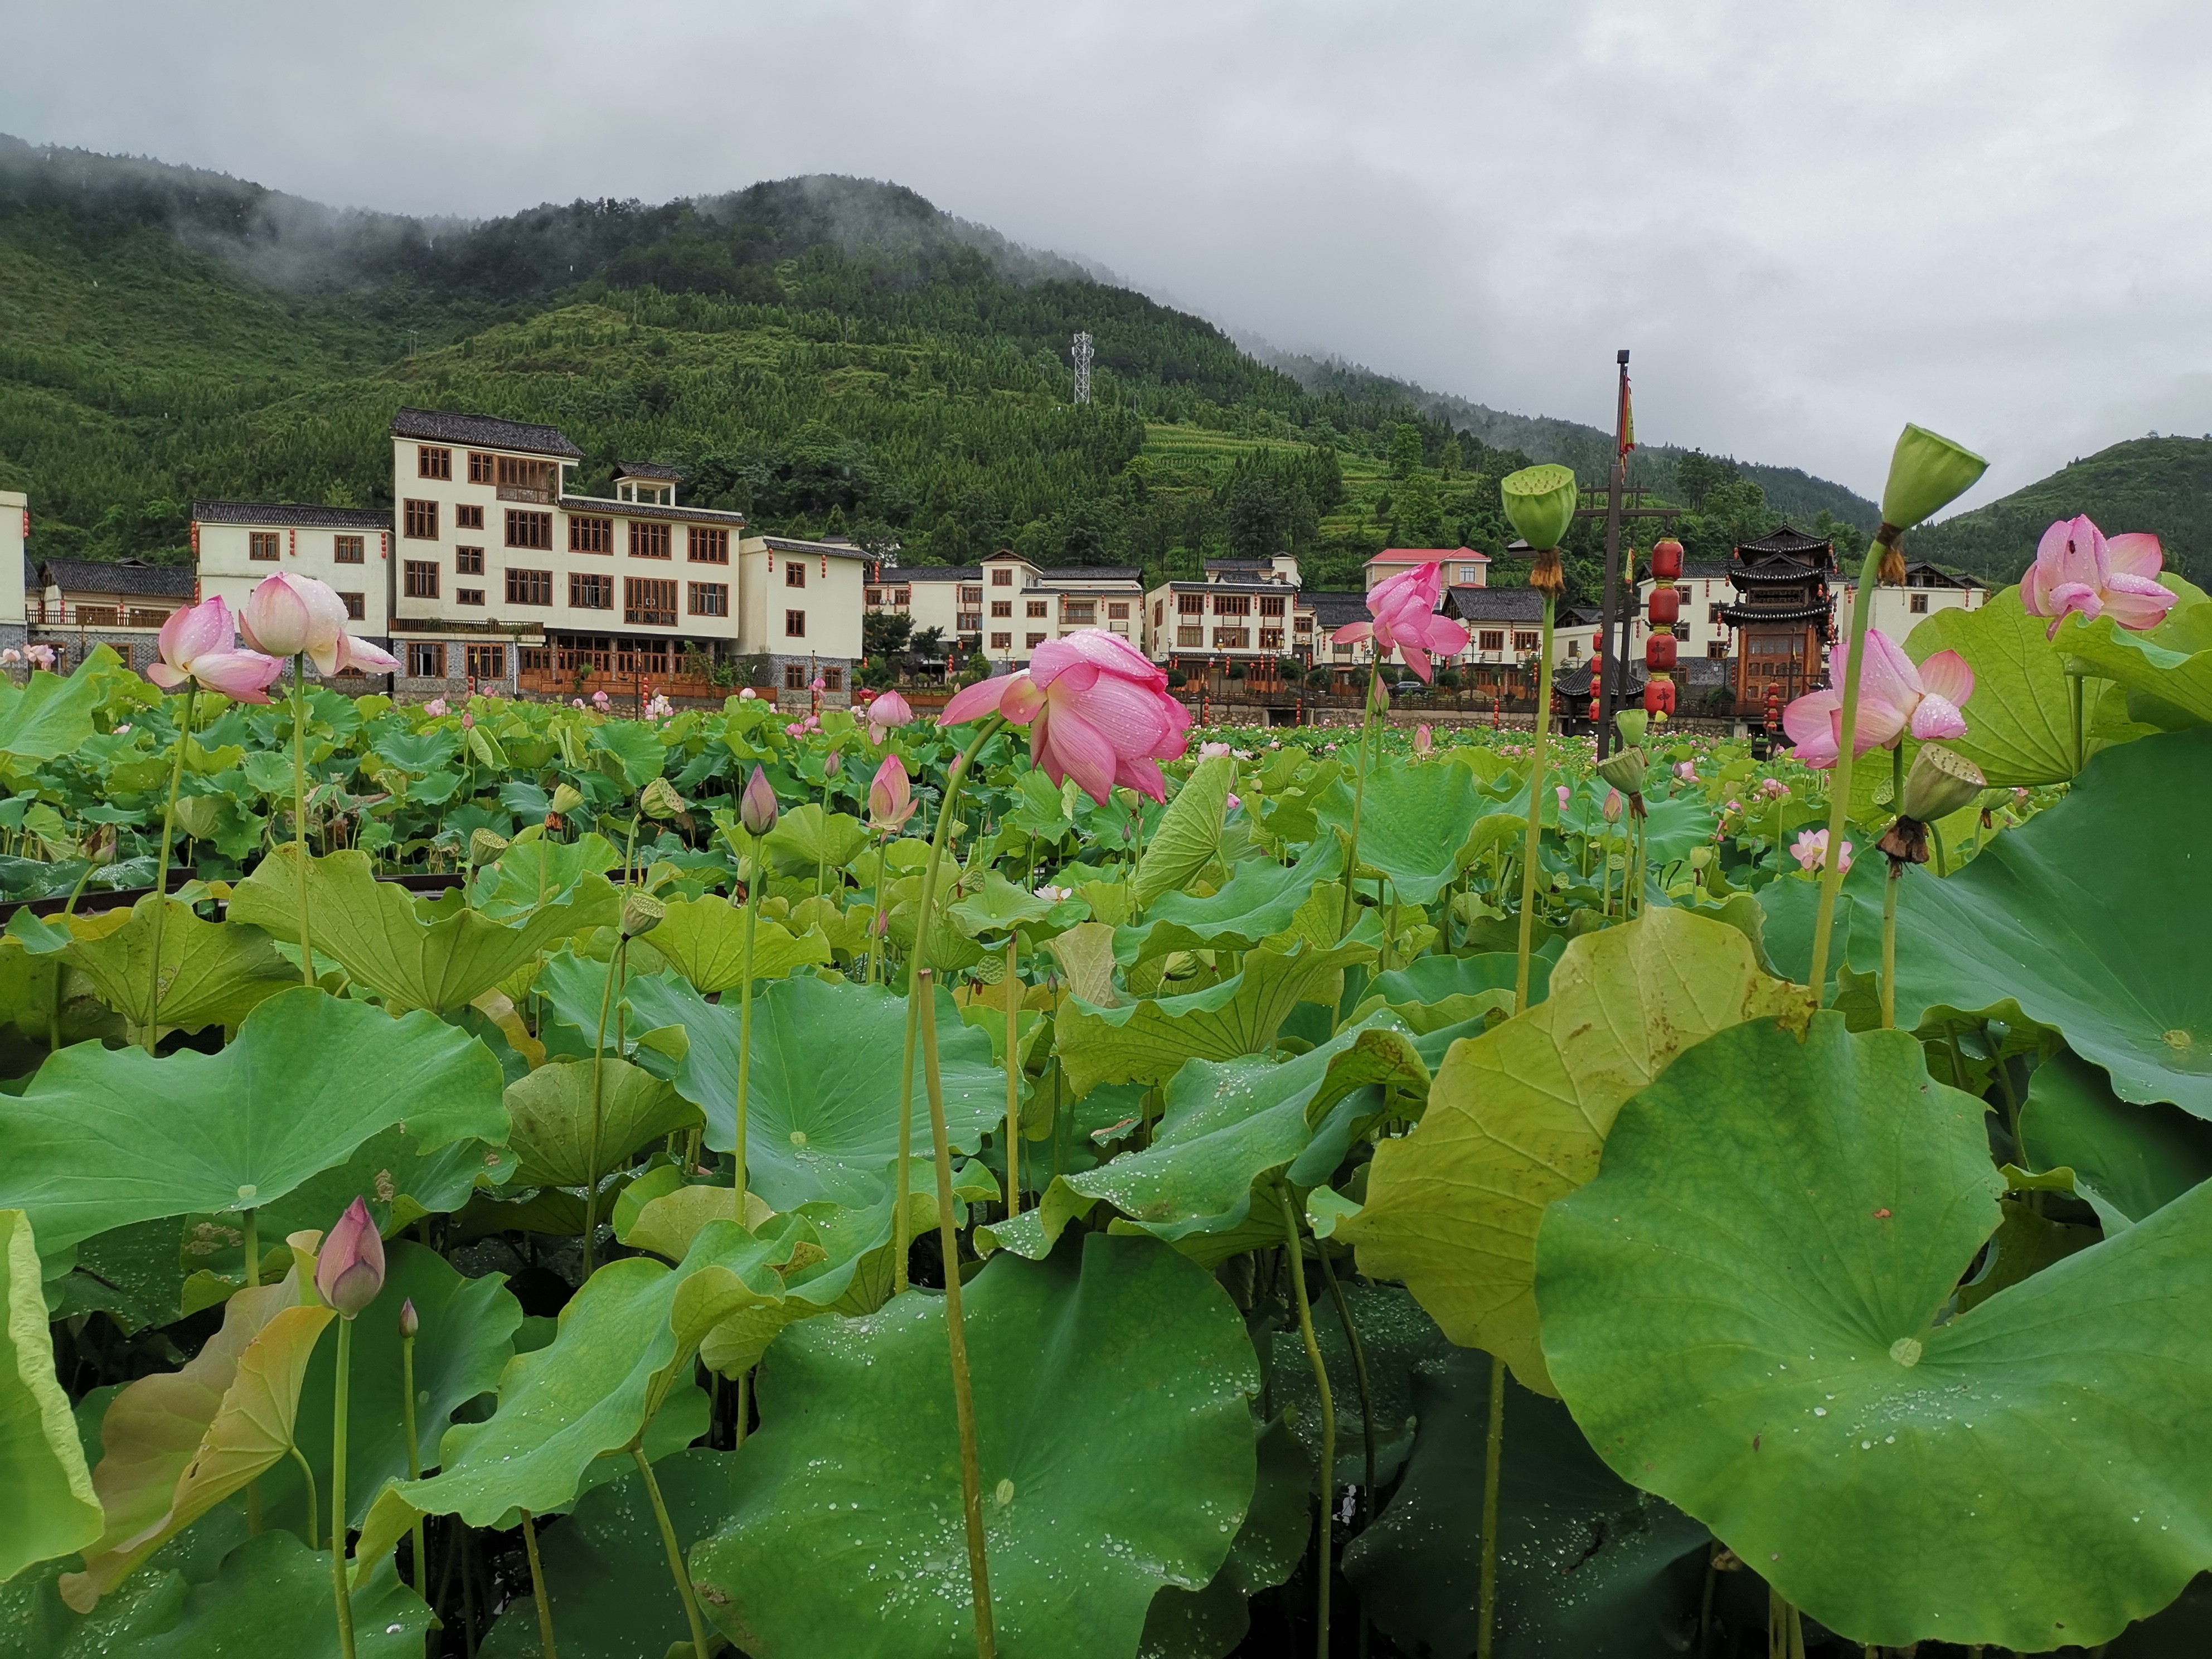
{"x":1463,"y":567}
{"x":237,"y":544}
{"x":15,"y":535}
{"x":1898,"y":610}
{"x":1251,"y":612}
{"x":801,"y":610}
{"x":1007,"y":606}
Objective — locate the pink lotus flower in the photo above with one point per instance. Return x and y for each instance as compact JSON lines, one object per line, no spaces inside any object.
{"x":1811,"y":850}
{"x":1425,"y":740}
{"x":890,"y":795}
{"x":468,"y":722}
{"x":599,"y":701}
{"x":10,"y":656}
{"x":1235,"y":801}
{"x":1894,"y":697}
{"x":817,"y":684}
{"x":2078,"y":568}
{"x":288,"y":615}
{"x":756,"y":807}
{"x":1614,"y":806}
{"x":436,"y":709}
{"x":39,"y":656}
{"x":198,"y":642}
{"x":1098,"y":710}
{"x":1773,"y":789}
{"x":576,"y":702}
{"x":1686,"y":771}
{"x":1564,"y":794}
{"x":1405,"y":620}
{"x":1213,"y":751}
{"x":349,"y":1269}
{"x":887,"y":711}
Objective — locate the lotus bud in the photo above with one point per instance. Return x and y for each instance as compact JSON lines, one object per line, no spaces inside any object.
{"x":832,"y":764}
{"x":1926,"y":474}
{"x":567,"y":798}
{"x":641,"y":913}
{"x":410,"y":1323}
{"x":756,"y":808}
{"x":349,"y":1272}
{"x":890,"y":795}
{"x":660,"y":801}
{"x":484,"y":846}
{"x":1633,"y":723}
{"x":1614,"y":805}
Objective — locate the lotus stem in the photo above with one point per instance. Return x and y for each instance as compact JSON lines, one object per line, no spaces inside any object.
{"x":917,"y":965}
{"x":1013,"y":1081}
{"x":1358,"y":799}
{"x":344,"y":1601}
{"x":1839,"y":781}
{"x":956,"y":1337}
{"x":1360,"y":1377}
{"x":160,"y":880}
{"x":756,"y":885}
{"x":599,"y":1110}
{"x":300,"y":811}
{"x":537,"y":1583}
{"x":1493,"y":1468}
{"x":1530,"y":860}
{"x":1294,"y":1259}
{"x":307,"y":1474}
{"x":2081,"y":752}
{"x":415,"y":1462}
{"x":676,"y":1567}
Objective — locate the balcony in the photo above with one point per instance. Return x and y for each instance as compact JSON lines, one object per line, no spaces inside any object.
{"x":68,"y":613}
{"x":640,"y":616}
{"x":534,"y":497}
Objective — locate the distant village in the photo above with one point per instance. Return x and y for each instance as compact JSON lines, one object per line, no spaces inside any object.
{"x":488,"y":574}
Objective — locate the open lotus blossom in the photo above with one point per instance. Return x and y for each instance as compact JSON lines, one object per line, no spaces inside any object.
{"x":1811,"y":850}
{"x":10,"y":656}
{"x":1894,"y":697}
{"x":1213,"y":751}
{"x":2078,"y":568}
{"x":885,"y":712}
{"x":599,"y":701}
{"x":288,"y":615}
{"x":1052,"y":895}
{"x":890,"y":795}
{"x":1686,"y":771}
{"x":1405,"y":620}
{"x":1772,"y":789}
{"x":39,"y":656}
{"x":199,"y":642}
{"x":436,"y":709}
{"x":1098,"y":710}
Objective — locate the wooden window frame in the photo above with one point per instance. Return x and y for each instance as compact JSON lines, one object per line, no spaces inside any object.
{"x":649,"y":601}
{"x":468,"y":515}
{"x":486,"y":662}
{"x":433,"y":461}
{"x":1489,"y":639}
{"x":1003,"y":608}
{"x":264,"y":546}
{"x":481,"y":470}
{"x":356,"y":606}
{"x":716,"y":595}
{"x":530,"y":587}
{"x":590,"y":533}
{"x":1002,"y":577}
{"x":583,"y":583}
{"x":1002,"y":642}
{"x":349,"y":550}
{"x":426,"y":659}
{"x":794,"y":624}
{"x":1039,"y":608}
{"x":705,"y":544}
{"x":419,"y":520}
{"x":532,"y":532}
{"x":419,"y":578}
{"x":794,"y":573}
{"x":795,"y":678}
{"x":1190,"y":604}
{"x":468,"y":596}
{"x":649,"y":539}
{"x":468,"y":562}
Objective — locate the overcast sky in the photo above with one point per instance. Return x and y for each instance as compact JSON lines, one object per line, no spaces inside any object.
{"x":1811,"y":223}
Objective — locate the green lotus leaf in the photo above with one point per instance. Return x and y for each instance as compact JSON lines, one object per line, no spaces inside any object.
{"x":1784,"y":1371}
{"x":1148,"y":1040}
{"x":2020,"y":720}
{"x":1116,"y":1458}
{"x":803,"y":841}
{"x":606,"y":1570}
{"x":1227,"y":1128}
{"x":271,"y":1598}
{"x":1399,"y":1341}
{"x":35,"y":1623}
{"x":1433,"y":992}
{"x":1586,"y":1563}
{"x":537,"y":871}
{"x":1260,"y":899}
{"x":396,"y":1176}
{"x":103,"y":1137}
{"x":48,"y":715}
{"x":51,"y":1510}
{"x":1208,"y":1624}
{"x":2128,"y":1161}
{"x":1188,"y":834}
{"x":1518,"y":1117}
{"x":1415,"y":824}
{"x":2173,"y":664}
{"x":1540,"y":503}
{"x":2092,"y":918}
{"x":437,"y":955}
{"x":552,"y":1110}
{"x":418,"y":752}
{"x":133,"y":1273}
{"x":639,"y":757}
{"x":998,"y":909}
{"x":704,"y":940}
{"x":212,"y":974}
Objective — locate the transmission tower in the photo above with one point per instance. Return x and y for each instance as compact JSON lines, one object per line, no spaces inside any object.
{"x":1082,"y":355}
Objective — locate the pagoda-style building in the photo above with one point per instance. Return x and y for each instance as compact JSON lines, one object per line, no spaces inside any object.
{"x":1783,"y":614}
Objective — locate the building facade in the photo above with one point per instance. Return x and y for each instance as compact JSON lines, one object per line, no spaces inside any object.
{"x":1004,"y":608}
{"x":236,"y":544}
{"x":1462,"y":566}
{"x":801,"y":612}
{"x":76,"y":604}
{"x":15,"y":540}
{"x":1784,"y":614}
{"x":1898,"y":610}
{"x":1248,"y":615}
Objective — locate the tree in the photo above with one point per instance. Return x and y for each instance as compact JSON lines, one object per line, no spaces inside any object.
{"x":1405,"y":450}
{"x":885,"y":634}
{"x":1697,"y":475}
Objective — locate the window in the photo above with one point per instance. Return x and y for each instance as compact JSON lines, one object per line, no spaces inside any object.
{"x":591,"y":535}
{"x":432,"y":461}
{"x":1271,"y":639}
{"x":419,"y":522}
{"x":590,"y":592}
{"x":833,"y":679}
{"x":705,"y":546}
{"x":488,"y":662}
{"x":529,"y":587}
{"x":648,"y":539}
{"x":468,"y":562}
{"x":794,"y":624}
{"x":1190,"y":636}
{"x":420,"y":580}
{"x":356,"y":606}
{"x":710,"y":599}
{"x":968,"y":622}
{"x":1078,"y":613}
{"x":1270,"y":604}
{"x":903,"y":596}
{"x":1526,"y":641}
{"x":1574,"y":649}
{"x":1002,"y":642}
{"x":971,"y":596}
{"x":426,"y":659}
{"x":468,"y":518}
{"x":794,"y":573}
{"x":1002,"y":578}
{"x":1233,"y":639}
{"x":1034,"y":641}
{"x":649,"y":601}
{"x":795,"y":678}
{"x":1917,"y":604}
{"x":1002,"y":607}
{"x":1232,"y":605}
{"x":263,"y":545}
{"x":1190,"y":604}
{"x":512,"y":472}
{"x":468,"y":596}
{"x":1117,"y":613}
{"x":532,"y":529}
{"x":480,"y":468}
{"x":349,"y":550}
{"x":1304,"y":624}
{"x":1469,"y":574}
{"x":1491,"y":639}
{"x":1717,"y":651}
{"x":1039,"y":607}
{"x":874,"y":596}
{"x":1713,"y":615}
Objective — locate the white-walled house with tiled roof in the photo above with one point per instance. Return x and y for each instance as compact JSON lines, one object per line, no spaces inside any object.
{"x":236,"y":544}
{"x":1007,"y":606}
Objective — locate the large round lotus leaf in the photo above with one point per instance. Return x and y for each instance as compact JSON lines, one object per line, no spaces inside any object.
{"x":2020,"y":721}
{"x":1208,"y":1624}
{"x":51,"y":1509}
{"x":1745,"y":1310}
{"x":2127,"y":1160}
{"x":1111,"y":1386}
{"x":1188,"y":834}
{"x":553,"y":1113}
{"x":1260,"y":899}
{"x":2094,"y":917}
{"x":272,"y":1599}
{"x":1587,"y":1565}
{"x":103,"y":1137}
{"x":1518,"y":1117}
{"x":1415,"y":822}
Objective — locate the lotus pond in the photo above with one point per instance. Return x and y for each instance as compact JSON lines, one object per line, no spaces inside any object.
{"x":808,"y":1187}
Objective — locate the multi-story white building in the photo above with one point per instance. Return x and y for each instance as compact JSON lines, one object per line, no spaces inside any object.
{"x":1898,"y":610}
{"x":1246,"y":611}
{"x":801,"y":610}
{"x":15,"y":534}
{"x":236,"y":544}
{"x":1463,"y":567}
{"x":1006,"y":606}
{"x":1505,"y":630}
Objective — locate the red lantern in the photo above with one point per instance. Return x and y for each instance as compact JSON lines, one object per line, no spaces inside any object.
{"x":1666,"y":560}
{"x":1658,"y":696}
{"x":1659,"y":652}
{"x":1666,"y":606}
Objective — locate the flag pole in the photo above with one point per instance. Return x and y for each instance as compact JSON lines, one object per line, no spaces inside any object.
{"x":1612,"y":666}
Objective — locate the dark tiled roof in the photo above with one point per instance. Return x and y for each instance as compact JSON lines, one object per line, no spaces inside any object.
{"x":1088,"y":573}
{"x":1693,"y":570}
{"x":652,"y":470}
{"x":303,"y":515}
{"x":600,"y":507}
{"x":1272,"y":590}
{"x":1505,"y":604}
{"x":1333,"y":611}
{"x":1786,"y":543}
{"x":899,"y":575}
{"x":168,"y":581}
{"x":1239,"y":564}
{"x":486,"y":431}
{"x":787,"y":544}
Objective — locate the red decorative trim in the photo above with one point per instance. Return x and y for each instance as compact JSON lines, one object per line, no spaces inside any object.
{"x":292,"y":543}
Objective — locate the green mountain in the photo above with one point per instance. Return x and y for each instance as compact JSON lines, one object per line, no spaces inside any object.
{"x":827,"y":354}
{"x":2163,"y":485}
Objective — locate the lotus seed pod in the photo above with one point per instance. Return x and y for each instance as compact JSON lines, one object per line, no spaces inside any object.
{"x":1539,"y":500}
{"x":567,"y":798}
{"x":641,"y":913}
{"x":660,"y":801}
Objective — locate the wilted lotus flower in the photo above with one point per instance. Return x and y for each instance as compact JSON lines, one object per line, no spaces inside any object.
{"x":1098,"y":710}
{"x":1895,"y":698}
{"x":2078,"y":568}
{"x":756,"y":807}
{"x":198,"y":643}
{"x":350,"y":1270}
{"x":887,"y":711}
{"x":890,"y":796}
{"x":1772,"y":789}
{"x":288,"y":615}
{"x":1811,"y":849}
{"x":1405,"y":620}
{"x":1686,"y":771}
